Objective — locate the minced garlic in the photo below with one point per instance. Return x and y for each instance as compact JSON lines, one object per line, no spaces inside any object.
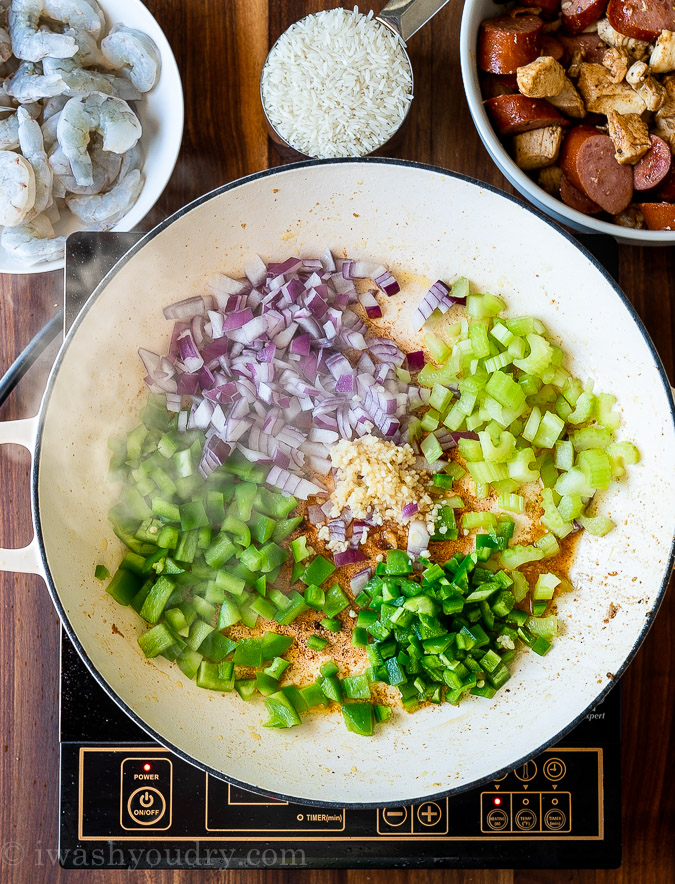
{"x":333,"y":545}
{"x":376,"y":479}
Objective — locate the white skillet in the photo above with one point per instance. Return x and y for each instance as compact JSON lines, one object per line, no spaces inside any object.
{"x":415,"y":219}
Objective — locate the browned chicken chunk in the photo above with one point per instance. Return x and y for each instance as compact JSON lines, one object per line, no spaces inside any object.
{"x":630,"y":136}
{"x":541,"y":78}
{"x":538,"y":147}
{"x":601,"y":95}
{"x":569,"y":101}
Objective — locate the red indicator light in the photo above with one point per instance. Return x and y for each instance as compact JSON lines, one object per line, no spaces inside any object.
{"x":146,"y":767}
{"x":498,"y":800}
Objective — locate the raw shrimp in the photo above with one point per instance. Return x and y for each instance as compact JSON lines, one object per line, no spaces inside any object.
{"x":28,"y":41}
{"x":33,"y":241}
{"x":28,"y":84}
{"x":58,"y":191}
{"x":127,"y":46}
{"x":132,"y":159}
{"x":9,"y":131}
{"x":88,"y":51}
{"x":53,"y":106}
{"x":32,"y":147}
{"x":49,"y":131}
{"x":111,"y":117}
{"x":81,"y":81}
{"x":84,"y":15}
{"x":52,"y":212}
{"x":105,"y":209}
{"x":76,"y":80}
{"x":17,"y":188}
{"x":5,"y":45}
{"x":105,"y":168}
{"x":9,"y":125}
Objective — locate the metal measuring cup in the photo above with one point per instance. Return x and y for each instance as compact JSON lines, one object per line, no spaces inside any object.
{"x":404,"y":18}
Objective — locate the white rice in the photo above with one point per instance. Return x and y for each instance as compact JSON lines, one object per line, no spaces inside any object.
{"x":337,"y":84}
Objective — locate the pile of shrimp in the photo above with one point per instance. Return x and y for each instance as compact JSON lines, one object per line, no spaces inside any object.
{"x":69,"y":137}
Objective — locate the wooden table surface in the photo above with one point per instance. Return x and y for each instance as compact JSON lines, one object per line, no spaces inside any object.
{"x":220,"y":46}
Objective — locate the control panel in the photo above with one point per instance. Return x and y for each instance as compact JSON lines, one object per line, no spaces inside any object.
{"x":148,"y":794}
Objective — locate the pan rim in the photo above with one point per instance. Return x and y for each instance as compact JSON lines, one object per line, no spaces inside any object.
{"x":148,"y":237}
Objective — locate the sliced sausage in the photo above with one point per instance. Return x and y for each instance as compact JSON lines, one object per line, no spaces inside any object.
{"x":654,"y":166}
{"x":587,"y":159}
{"x":492,"y":85}
{"x":551,"y":46}
{"x":658,"y":216}
{"x":511,"y":114}
{"x":641,"y":19}
{"x":507,"y":42}
{"x":549,"y":8}
{"x":666,"y":191}
{"x":575,"y":199}
{"x":577,"y":15}
{"x":590,"y":45}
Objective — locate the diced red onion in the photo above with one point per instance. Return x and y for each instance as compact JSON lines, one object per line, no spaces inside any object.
{"x":418,"y":538}
{"x":188,"y":352}
{"x":221,"y":285}
{"x":437,"y":298}
{"x":186,"y":309}
{"x":256,"y":271}
{"x":237,"y":319}
{"x":387,"y":283}
{"x":464,"y":434}
{"x":409,"y":510}
{"x":415,"y":361}
{"x":370,"y":305}
{"x":349,"y":557}
{"x":358,"y":582}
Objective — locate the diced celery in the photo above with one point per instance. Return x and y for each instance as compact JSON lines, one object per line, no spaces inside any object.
{"x":539,"y":357}
{"x":597,"y":525}
{"x":564,"y":455}
{"x":545,"y":586}
{"x":590,"y":437}
{"x":514,"y":503}
{"x":548,"y":545}
{"x":584,"y":408}
{"x":596,"y":467}
{"x":518,"y":555}
{"x":549,"y":431}
{"x":499,"y":453}
{"x":521,"y":467}
{"x":438,"y":349}
{"x":431,"y":448}
{"x":482,"y":519}
{"x":573,"y":482}
{"x":505,"y":390}
{"x":552,"y":518}
{"x":605,"y":415}
{"x":570,"y":507}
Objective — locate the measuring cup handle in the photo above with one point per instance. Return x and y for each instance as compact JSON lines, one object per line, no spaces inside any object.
{"x":406,"y":17}
{"x":26,"y":560}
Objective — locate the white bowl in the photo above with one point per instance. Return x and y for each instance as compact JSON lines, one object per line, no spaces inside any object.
{"x":161,"y":115}
{"x":475,"y":11}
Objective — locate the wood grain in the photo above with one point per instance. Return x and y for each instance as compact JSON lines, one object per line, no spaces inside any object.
{"x":221,"y":46}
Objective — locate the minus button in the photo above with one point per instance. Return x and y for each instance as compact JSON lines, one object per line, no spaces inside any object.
{"x":395,"y":816}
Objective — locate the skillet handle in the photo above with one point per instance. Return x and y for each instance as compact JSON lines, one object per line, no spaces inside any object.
{"x":26,"y":560}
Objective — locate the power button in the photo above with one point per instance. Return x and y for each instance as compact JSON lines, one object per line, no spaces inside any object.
{"x":146,"y":805}
{"x":145,"y":800}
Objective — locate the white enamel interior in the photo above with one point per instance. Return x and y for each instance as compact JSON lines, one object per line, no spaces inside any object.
{"x":161,"y":114}
{"x":413,"y":219}
{"x":475,"y":11}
